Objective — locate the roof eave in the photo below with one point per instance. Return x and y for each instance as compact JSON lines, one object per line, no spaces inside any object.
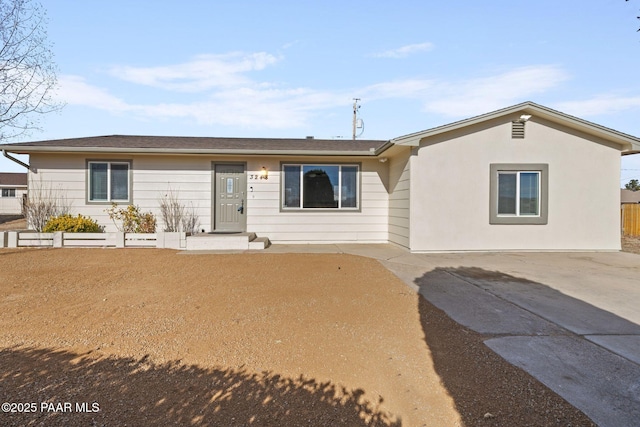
{"x":167,"y":151}
{"x":628,"y":143}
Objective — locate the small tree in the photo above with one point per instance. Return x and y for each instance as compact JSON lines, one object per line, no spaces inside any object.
{"x":42,"y":203}
{"x":27,"y":71}
{"x":636,"y":17}
{"x":191,"y":221}
{"x":632,"y":185}
{"x":176,"y":216}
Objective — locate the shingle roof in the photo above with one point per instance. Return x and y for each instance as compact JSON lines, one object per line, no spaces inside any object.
{"x":8,"y":179}
{"x":202,"y":145}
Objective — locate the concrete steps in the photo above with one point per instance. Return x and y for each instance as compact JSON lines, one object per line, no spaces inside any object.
{"x":259,"y":243}
{"x":226,"y":242}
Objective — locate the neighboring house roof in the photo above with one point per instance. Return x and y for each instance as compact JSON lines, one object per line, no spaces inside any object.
{"x":628,"y":196}
{"x":11,"y":179}
{"x":202,"y":145}
{"x":629,"y":144}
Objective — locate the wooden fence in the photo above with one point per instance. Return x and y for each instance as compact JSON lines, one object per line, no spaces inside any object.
{"x":16,"y":239}
{"x":630,"y":219}
{"x":166,"y":239}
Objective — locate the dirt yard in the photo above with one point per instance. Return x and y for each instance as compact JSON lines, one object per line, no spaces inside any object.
{"x":93,"y":337}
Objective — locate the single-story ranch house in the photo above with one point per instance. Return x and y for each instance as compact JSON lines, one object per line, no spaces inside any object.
{"x":13,"y":187}
{"x":522,"y":178}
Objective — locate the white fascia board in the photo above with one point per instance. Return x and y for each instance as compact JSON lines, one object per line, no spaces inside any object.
{"x":628,"y":143}
{"x":169,"y":151}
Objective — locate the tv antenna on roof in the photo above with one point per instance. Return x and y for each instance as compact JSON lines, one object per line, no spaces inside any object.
{"x":357,"y":123}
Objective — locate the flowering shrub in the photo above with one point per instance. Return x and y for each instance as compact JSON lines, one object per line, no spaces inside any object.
{"x":73,"y":224}
{"x":131,"y":220}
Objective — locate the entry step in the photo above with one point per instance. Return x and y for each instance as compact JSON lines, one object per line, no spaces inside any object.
{"x":226,"y":241}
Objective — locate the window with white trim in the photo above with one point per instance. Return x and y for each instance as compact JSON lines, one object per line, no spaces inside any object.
{"x":8,"y":192}
{"x":320,"y":186}
{"x":519,"y":193}
{"x":108,"y":181}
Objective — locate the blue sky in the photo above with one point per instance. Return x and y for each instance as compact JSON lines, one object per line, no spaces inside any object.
{"x":292,"y":68}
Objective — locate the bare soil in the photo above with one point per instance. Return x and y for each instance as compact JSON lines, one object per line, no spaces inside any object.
{"x":149,"y":337}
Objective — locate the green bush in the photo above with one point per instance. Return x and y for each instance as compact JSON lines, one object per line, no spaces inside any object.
{"x":73,"y":224}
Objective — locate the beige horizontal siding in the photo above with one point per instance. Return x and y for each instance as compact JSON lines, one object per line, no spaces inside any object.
{"x":399,"y":206}
{"x":152,"y":178}
{"x":189,"y":177}
{"x":10,"y":205}
{"x":369,"y":223}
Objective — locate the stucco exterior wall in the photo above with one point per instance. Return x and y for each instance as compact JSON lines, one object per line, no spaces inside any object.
{"x":190,"y":177}
{"x":451,"y":187}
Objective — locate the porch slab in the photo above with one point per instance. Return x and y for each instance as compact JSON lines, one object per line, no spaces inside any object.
{"x":225,"y":242}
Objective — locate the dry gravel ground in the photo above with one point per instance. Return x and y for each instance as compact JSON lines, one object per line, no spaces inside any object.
{"x":148,"y":337}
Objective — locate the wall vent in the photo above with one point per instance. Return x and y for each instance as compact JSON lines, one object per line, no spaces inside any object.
{"x":517,"y":129}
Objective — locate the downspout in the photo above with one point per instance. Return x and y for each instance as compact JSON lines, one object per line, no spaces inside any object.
{"x":23,"y":164}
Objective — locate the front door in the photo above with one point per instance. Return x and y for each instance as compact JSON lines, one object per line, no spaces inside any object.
{"x":229,"y":198}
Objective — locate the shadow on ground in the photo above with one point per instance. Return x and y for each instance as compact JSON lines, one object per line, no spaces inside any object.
{"x":487,"y":390}
{"x":7,"y":218}
{"x":139,"y":392}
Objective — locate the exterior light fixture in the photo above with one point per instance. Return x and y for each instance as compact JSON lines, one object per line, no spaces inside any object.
{"x":264,"y":173}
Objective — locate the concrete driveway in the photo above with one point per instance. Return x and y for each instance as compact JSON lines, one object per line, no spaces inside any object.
{"x":572,"y":320}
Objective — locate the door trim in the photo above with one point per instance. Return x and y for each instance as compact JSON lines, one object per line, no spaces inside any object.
{"x":214,"y":184}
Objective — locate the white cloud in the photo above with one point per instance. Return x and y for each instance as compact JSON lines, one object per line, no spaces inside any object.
{"x":74,"y":90}
{"x":215,"y":91}
{"x":602,"y":104}
{"x":202,"y":73}
{"x":258,"y":108}
{"x":404,"y":51}
{"x":409,"y":88}
{"x":480,"y":95}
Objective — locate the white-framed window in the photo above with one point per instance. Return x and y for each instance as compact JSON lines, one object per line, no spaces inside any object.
{"x":108,"y":181}
{"x":8,"y":192}
{"x":320,"y":186}
{"x":519,"y":193}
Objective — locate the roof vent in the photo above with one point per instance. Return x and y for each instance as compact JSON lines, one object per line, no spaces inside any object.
{"x":310,"y":137}
{"x":517,"y":129}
